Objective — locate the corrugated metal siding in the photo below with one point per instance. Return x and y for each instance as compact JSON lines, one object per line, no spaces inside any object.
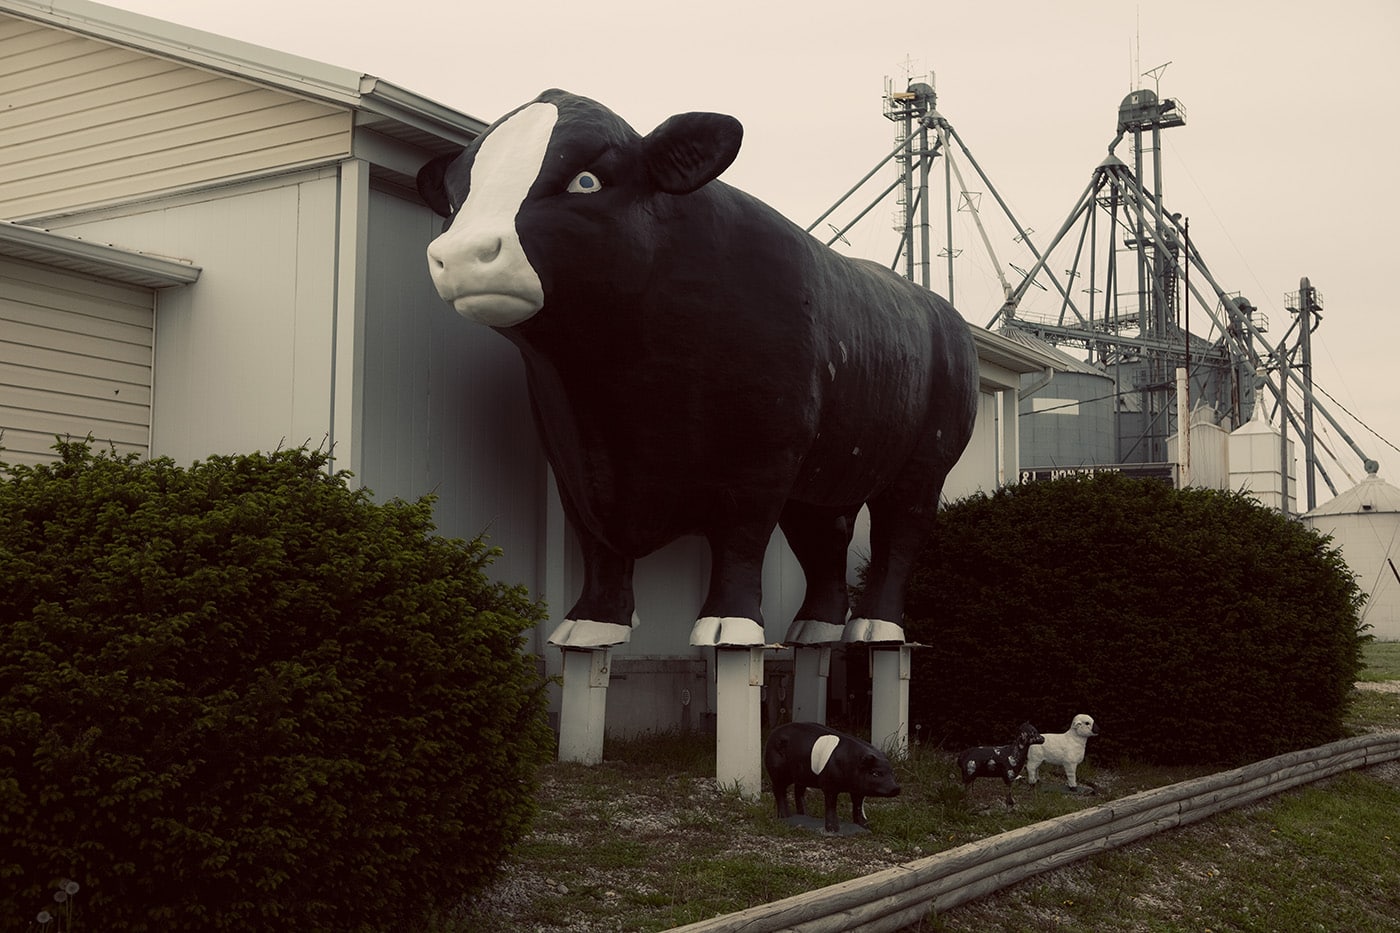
{"x":86,"y":124}
{"x":445,"y":405}
{"x":75,"y":359}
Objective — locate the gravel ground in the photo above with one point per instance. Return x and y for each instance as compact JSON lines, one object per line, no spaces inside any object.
{"x":579,"y":899}
{"x":513,"y":903}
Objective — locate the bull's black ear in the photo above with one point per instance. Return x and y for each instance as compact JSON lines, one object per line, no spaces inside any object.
{"x":691,"y":149}
{"x":430,"y":185}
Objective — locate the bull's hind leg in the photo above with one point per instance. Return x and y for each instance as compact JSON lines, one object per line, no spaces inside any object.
{"x":899,"y":526}
{"x":820,"y":539}
{"x":902,"y":516}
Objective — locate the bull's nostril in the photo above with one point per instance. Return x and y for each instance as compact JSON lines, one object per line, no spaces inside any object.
{"x":489,"y":250}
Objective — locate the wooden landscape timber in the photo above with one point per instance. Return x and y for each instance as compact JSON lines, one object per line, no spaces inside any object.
{"x":897,"y":897}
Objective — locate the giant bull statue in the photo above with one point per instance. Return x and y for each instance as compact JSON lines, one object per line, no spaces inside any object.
{"x":697,"y":364}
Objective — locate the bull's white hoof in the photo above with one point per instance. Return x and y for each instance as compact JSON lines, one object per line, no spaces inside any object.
{"x":873,"y":631}
{"x":727,"y":631}
{"x":813,"y":632}
{"x":585,"y":633}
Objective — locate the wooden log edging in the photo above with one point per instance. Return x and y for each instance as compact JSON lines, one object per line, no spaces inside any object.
{"x":896,"y":897}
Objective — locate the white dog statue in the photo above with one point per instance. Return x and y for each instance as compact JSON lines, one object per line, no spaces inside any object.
{"x":1065,"y":749}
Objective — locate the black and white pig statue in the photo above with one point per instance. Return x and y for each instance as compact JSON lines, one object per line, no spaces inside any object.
{"x":808,"y":754}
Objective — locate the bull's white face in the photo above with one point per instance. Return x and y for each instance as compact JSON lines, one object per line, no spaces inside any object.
{"x":478,"y":263}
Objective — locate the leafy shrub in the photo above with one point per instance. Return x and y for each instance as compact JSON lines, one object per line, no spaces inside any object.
{"x":244,"y":696}
{"x":1196,"y":626}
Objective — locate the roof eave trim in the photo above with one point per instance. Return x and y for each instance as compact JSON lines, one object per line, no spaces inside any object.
{"x":389,"y":100}
{"x":1014,"y":356}
{"x":155,"y":271}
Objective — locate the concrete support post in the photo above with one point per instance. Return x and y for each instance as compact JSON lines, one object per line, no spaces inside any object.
{"x":583,"y":709}
{"x":811,"y":671}
{"x":738,"y":717}
{"x":889,"y":698}
{"x":1008,"y":464}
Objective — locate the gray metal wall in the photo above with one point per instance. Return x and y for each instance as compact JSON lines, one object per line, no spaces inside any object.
{"x":444,"y":407}
{"x":1069,"y":422}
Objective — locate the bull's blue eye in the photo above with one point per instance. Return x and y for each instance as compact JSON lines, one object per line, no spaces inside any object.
{"x":585,"y":183}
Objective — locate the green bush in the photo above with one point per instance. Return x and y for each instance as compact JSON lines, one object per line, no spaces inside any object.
{"x":242,"y":696}
{"x":1196,"y":626}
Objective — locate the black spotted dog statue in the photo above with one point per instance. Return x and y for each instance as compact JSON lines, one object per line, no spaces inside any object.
{"x":1003,"y":761}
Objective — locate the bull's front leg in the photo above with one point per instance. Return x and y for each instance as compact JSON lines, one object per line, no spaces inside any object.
{"x":603,"y":614}
{"x":731,"y":615}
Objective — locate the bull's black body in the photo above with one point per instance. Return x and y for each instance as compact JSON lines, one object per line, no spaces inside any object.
{"x":855,"y":767}
{"x":701,"y":365}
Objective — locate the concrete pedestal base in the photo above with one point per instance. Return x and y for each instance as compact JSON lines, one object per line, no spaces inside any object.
{"x":583,"y":708}
{"x":738,"y":717}
{"x":811,"y":670}
{"x":889,"y":698}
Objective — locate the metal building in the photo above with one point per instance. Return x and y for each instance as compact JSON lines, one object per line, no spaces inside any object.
{"x":1123,"y":278}
{"x":1364,"y":521}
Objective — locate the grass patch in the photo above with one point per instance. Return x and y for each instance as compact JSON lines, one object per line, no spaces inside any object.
{"x":1372,"y":711}
{"x":646,"y":841}
{"x":1320,"y":858}
{"x":1382,"y":661}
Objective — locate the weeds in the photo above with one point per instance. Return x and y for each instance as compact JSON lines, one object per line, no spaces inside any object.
{"x":61,"y":915}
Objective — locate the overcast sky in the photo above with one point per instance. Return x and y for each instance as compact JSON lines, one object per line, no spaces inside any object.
{"x":1284,"y":166}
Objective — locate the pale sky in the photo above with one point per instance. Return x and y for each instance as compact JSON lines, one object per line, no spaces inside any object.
{"x":1284,"y":166}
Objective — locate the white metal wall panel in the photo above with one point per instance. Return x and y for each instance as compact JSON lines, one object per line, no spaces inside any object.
{"x":1368,"y":542}
{"x":243,"y":358}
{"x":1210,"y":462}
{"x":88,"y":124}
{"x":75,"y":359}
{"x":977,"y":469}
